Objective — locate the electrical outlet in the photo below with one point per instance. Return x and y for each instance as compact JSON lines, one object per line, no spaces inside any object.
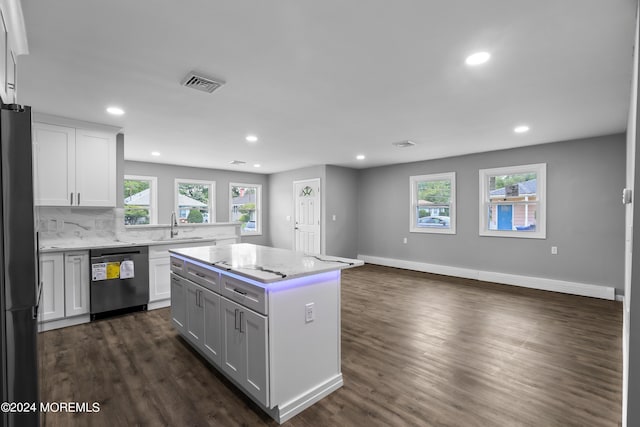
{"x":554,"y":250}
{"x":309,"y":315}
{"x":404,"y":240}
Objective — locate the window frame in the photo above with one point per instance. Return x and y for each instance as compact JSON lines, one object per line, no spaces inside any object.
{"x":540,"y":169}
{"x":413,"y":214}
{"x":211,"y":204}
{"x":153,"y":202}
{"x":258,"y":209}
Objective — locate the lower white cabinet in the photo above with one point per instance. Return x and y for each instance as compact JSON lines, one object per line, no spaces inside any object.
{"x":159,"y":268}
{"x":52,"y":283}
{"x":64,"y":278}
{"x":178,"y":303}
{"x":76,"y":284}
{"x":195,"y":311}
{"x":244,"y":348}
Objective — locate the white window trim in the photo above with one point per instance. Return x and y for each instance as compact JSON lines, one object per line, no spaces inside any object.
{"x":212,"y":197}
{"x":153,"y":203}
{"x":258,"y":187}
{"x":413,"y":183}
{"x":541,"y":183}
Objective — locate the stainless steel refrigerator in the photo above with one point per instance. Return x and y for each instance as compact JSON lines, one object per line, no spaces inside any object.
{"x":18,"y":263}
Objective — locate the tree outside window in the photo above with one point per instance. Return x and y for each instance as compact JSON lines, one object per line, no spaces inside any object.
{"x":140,"y":200}
{"x":194,"y":201}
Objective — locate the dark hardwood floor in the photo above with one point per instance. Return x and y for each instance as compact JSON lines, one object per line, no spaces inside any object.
{"x":417,"y":349}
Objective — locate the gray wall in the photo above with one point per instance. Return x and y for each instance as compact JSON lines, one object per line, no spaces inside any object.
{"x":341,"y":192}
{"x":585,"y":218}
{"x":167,"y":174}
{"x":281,"y":204}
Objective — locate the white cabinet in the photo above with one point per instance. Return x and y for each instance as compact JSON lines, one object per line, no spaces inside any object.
{"x":52,"y":282}
{"x":159,"y":268}
{"x":74,"y":167}
{"x":76,"y":283}
{"x":159,"y":286}
{"x":13,"y":41}
{"x":195,"y":311}
{"x":244,"y":348}
{"x":64,"y":278}
{"x":178,"y":303}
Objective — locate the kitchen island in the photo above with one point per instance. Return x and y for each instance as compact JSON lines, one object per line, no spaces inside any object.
{"x":267,"y":318}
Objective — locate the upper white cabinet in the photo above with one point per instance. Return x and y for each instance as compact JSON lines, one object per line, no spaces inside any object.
{"x":74,"y":166}
{"x":13,"y":42}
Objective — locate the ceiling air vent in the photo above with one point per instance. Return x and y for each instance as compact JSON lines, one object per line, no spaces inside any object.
{"x":199,"y":82}
{"x":237,"y":162}
{"x":404,"y":144}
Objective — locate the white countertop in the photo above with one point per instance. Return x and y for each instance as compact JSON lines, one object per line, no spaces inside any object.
{"x":95,"y":243}
{"x":265,"y":264}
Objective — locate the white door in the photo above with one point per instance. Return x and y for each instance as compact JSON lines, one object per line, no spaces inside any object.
{"x":211,"y":335}
{"x":178,"y":302}
{"x":76,"y":283}
{"x":52,"y":279}
{"x":95,"y":168}
{"x":55,"y":161}
{"x":307,"y":215}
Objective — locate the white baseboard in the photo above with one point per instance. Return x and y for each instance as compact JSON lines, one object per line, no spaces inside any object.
{"x":158,"y":304}
{"x":563,"y":286}
{"x":63,"y":323}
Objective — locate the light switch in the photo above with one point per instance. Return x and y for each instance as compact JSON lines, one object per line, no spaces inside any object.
{"x":309,"y":314}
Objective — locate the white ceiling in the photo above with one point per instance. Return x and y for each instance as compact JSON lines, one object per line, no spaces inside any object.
{"x":322,"y":81}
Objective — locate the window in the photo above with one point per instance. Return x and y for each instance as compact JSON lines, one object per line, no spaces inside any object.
{"x":194,"y":201}
{"x":433,"y":199}
{"x":140,"y":200}
{"x":512,"y":201}
{"x":245,"y":204}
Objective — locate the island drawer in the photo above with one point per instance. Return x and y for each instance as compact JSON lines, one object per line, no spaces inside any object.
{"x":177,"y":265}
{"x":202,"y":276}
{"x":247,"y":294}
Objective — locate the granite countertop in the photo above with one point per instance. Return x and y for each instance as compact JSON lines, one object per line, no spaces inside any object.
{"x":96,"y":243}
{"x":265,"y":264}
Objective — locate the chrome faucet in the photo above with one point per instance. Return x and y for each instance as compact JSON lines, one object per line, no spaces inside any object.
{"x":174,"y":224}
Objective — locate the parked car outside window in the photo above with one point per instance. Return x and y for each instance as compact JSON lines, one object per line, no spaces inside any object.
{"x":433,"y":221}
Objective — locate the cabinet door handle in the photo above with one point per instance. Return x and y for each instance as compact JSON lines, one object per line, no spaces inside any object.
{"x":71,"y":198}
{"x":199,"y":298}
{"x":78,"y":199}
{"x":241,"y":320}
{"x":235,"y":321}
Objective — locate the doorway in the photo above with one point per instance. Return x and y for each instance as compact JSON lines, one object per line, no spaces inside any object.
{"x":306,"y":197}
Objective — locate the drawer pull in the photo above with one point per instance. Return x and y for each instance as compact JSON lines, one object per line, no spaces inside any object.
{"x":176,"y":264}
{"x":238,"y":291}
{"x":199,"y":275}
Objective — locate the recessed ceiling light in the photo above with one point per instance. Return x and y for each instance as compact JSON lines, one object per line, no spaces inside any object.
{"x":257,"y":165}
{"x":477,"y":58}
{"x":360,"y":157}
{"x":251,"y":138}
{"x":116,"y":111}
{"x":403,"y":144}
{"x":155,"y":153}
{"x":521,"y":129}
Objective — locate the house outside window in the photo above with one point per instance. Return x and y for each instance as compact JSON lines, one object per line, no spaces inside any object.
{"x":433,"y":199}
{"x":513,"y":201}
{"x":194,"y":201}
{"x":140,"y":200}
{"x":245,"y":207}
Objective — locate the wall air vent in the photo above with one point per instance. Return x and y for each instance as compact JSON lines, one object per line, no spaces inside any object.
{"x":404,"y":144}
{"x":199,"y":82}
{"x":237,"y":162}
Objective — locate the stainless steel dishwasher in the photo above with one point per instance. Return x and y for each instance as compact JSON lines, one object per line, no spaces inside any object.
{"x":119,"y":280}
